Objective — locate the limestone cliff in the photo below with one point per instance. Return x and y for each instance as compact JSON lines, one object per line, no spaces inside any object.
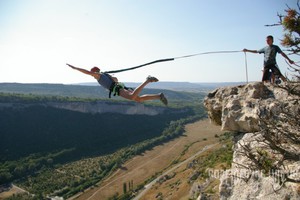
{"x":265,"y":119}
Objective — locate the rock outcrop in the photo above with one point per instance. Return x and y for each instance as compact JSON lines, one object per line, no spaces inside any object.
{"x":237,"y":108}
{"x":249,"y":110}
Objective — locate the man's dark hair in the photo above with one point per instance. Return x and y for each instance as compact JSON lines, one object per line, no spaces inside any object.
{"x":271,"y":37}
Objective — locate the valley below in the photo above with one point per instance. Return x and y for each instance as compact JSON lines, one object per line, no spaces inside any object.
{"x":152,"y":163}
{"x":76,"y":148}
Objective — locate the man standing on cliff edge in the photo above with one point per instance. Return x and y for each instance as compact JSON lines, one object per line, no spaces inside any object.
{"x":270,"y":52}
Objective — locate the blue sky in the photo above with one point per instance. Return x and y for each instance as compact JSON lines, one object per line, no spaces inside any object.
{"x":38,"y":37}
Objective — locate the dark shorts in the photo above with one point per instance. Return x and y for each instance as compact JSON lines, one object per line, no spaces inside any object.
{"x":266,"y":74}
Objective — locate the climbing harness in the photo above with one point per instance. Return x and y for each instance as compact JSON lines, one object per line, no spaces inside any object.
{"x":116,"y":87}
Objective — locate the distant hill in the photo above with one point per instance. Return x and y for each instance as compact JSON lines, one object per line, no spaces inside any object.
{"x":54,"y":90}
{"x":180,"y":86}
{"x":174,"y":91}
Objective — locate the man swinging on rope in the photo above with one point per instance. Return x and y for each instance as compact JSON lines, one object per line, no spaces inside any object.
{"x":111,"y":83}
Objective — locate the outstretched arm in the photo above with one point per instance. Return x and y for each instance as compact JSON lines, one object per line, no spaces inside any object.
{"x":251,"y":51}
{"x":286,"y":57}
{"x":80,"y":69}
{"x":95,"y":75}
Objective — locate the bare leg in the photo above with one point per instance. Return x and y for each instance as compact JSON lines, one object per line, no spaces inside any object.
{"x":135,"y":94}
{"x":147,"y":97}
{"x":272,"y":78}
{"x":139,"y":89}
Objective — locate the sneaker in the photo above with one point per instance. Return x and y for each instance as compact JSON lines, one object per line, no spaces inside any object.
{"x":163,"y":99}
{"x":152,"y":79}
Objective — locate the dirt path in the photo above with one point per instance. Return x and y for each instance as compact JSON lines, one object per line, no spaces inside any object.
{"x":142,"y":167}
{"x":11,"y":190}
{"x":148,"y":186}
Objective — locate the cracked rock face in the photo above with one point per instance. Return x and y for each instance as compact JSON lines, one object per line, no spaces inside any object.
{"x":241,"y":109}
{"x":237,"y":108}
{"x":242,"y":182}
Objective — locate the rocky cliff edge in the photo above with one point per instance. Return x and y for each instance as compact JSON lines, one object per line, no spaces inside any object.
{"x":266,"y":159}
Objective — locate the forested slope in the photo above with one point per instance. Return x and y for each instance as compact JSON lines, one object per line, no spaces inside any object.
{"x":39,"y":129}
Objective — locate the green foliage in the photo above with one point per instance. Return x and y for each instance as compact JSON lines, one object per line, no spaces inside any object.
{"x":291,"y":24}
{"x":265,"y":161}
{"x":124,"y":188}
{"x":221,"y":155}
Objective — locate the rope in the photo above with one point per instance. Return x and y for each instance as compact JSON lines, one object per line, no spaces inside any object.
{"x":210,"y":52}
{"x":150,"y":63}
{"x":246,"y":67}
{"x":169,"y":59}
